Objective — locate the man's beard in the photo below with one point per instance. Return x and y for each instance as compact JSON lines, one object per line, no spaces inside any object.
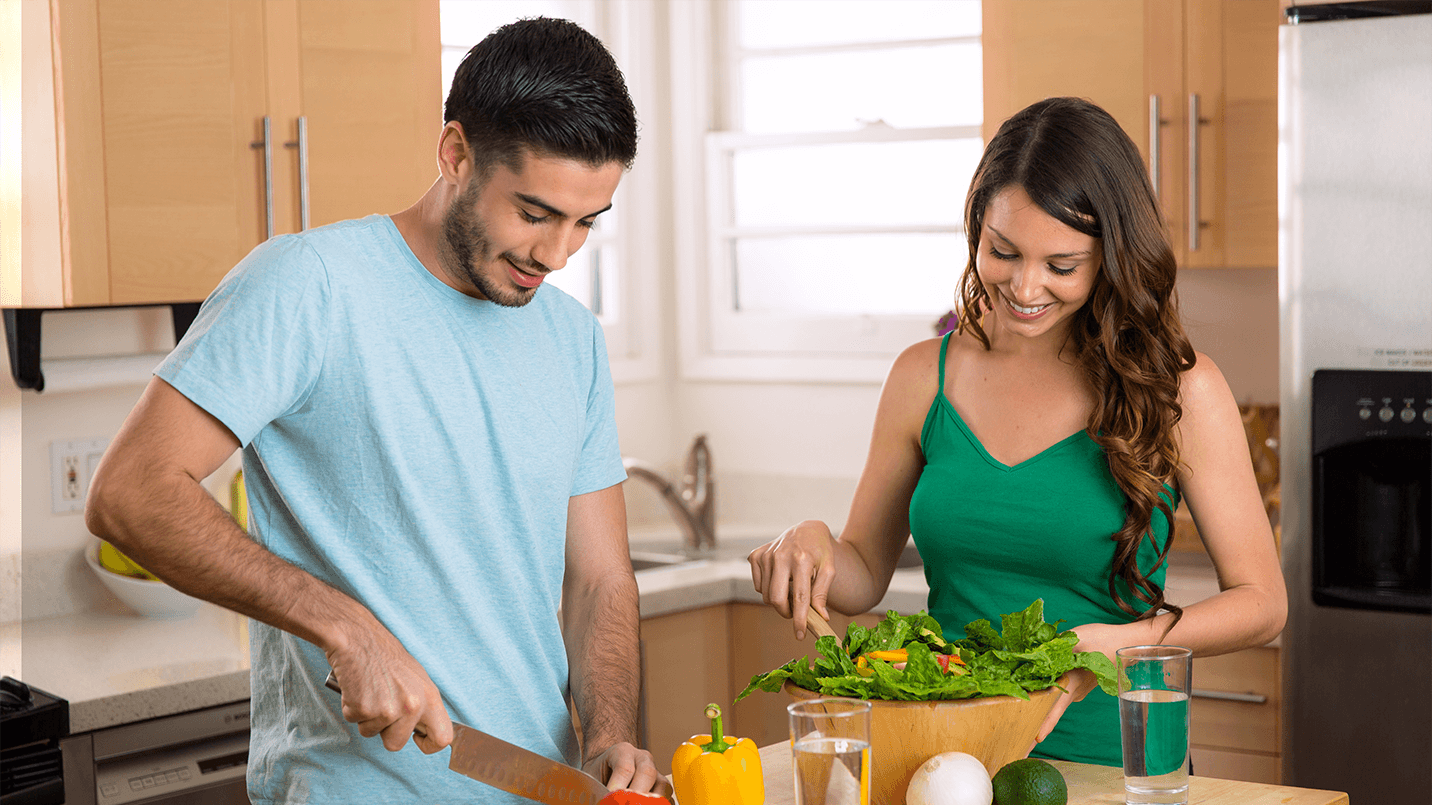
{"x":465,"y":250}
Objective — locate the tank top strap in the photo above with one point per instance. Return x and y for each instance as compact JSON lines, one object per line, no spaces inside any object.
{"x":944,"y":347}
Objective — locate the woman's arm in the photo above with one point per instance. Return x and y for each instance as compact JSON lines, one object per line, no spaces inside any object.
{"x":806,"y":565}
{"x":1219,"y":487}
{"x":1221,"y":491}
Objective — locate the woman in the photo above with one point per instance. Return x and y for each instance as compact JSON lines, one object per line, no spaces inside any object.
{"x":1039,"y":450}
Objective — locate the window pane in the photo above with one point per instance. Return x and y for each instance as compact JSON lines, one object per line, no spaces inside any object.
{"x":578,"y":277}
{"x":788,"y":23}
{"x":849,"y":274}
{"x":590,"y":278}
{"x":466,"y":22}
{"x":919,"y":182}
{"x":934,"y":85}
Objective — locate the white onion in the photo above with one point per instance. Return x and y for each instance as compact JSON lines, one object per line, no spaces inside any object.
{"x":950,"y":778}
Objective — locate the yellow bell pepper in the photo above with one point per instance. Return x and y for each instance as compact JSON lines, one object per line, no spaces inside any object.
{"x":891,"y":656}
{"x":717,"y":770}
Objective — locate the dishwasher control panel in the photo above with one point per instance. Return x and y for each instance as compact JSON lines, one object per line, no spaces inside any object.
{"x":185,"y":757}
{"x":169,"y":771}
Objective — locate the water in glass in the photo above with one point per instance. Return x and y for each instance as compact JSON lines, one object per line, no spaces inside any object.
{"x":1155,"y":730}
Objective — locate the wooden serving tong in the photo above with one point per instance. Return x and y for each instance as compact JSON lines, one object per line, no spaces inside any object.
{"x":818,"y":624}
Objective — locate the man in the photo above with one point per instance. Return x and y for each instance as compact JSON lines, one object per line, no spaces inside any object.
{"x":430,"y":455}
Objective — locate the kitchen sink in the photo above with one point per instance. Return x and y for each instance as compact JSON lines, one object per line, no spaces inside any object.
{"x":649,"y":560}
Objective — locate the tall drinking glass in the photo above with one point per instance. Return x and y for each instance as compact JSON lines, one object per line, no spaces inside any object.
{"x":1154,"y":684}
{"x":830,"y":751}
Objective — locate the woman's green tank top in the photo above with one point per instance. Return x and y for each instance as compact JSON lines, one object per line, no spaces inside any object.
{"x":995,"y":537}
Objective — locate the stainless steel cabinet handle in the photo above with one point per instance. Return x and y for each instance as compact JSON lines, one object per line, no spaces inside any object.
{"x":302,"y":145}
{"x":1226,"y":696}
{"x":1193,"y":215}
{"x":1155,"y":143}
{"x":266,"y":145}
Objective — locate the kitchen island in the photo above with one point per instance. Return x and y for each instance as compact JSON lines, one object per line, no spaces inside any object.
{"x":1090,"y":785}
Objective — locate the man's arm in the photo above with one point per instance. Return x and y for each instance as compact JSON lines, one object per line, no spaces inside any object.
{"x":147,"y":499}
{"x":600,"y":624}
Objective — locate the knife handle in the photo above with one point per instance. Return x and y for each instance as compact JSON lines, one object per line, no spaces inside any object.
{"x":332,"y":684}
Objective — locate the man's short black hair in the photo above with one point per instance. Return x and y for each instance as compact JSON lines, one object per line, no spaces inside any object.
{"x":544,"y":86}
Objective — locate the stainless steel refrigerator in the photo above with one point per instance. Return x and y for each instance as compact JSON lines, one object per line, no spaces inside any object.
{"x":1355,"y":310}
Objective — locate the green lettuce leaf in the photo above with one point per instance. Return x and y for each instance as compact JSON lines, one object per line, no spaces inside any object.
{"x":1027,"y":654}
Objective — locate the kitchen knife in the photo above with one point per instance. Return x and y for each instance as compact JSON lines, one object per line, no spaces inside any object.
{"x":503,"y":765}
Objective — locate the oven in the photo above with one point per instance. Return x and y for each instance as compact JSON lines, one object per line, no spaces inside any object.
{"x":32,"y":725}
{"x":194,"y":758}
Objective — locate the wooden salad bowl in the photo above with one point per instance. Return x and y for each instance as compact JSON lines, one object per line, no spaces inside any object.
{"x":903,"y":735}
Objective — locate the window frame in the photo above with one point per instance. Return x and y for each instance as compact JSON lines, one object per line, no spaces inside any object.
{"x":715,"y":341}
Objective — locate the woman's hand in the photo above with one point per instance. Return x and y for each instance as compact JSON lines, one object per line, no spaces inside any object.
{"x":796,"y":570}
{"x":1102,"y":637}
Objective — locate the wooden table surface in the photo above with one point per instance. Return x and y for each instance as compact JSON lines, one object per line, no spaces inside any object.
{"x":1092,"y":785}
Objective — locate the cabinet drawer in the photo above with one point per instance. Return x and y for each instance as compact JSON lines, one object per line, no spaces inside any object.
{"x":1236,"y":701}
{"x":1253,"y":767}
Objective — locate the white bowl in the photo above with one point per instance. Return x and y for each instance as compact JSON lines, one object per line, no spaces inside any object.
{"x":154,"y":599}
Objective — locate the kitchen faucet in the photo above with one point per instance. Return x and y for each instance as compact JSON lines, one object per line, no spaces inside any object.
{"x":693,"y":504}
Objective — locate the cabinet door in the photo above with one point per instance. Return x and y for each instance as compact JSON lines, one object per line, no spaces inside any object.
{"x":1236,"y":701}
{"x":686,"y":665}
{"x":1124,"y":55}
{"x":1094,"y":49}
{"x":158,"y":103}
{"x":368,"y":82}
{"x":1239,"y":162}
{"x":1144,"y":61}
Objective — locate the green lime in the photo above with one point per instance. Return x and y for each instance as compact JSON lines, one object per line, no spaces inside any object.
{"x":1030,"y":782}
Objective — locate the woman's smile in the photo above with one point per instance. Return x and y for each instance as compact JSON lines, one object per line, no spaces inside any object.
{"x":1038,"y":270}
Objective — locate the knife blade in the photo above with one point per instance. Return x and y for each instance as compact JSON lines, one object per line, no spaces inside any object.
{"x":507,"y":766}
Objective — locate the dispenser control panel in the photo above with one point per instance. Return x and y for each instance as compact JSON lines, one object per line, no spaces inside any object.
{"x":1352,"y":405}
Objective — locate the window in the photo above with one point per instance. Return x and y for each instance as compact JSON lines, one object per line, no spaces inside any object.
{"x":841,"y":140}
{"x":599,"y":275}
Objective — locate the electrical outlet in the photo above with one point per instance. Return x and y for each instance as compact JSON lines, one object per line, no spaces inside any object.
{"x":72,"y":465}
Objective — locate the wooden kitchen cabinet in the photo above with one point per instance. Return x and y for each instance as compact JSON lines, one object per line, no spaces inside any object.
{"x":1235,"y":729}
{"x":142,"y":182}
{"x":1138,"y":57}
{"x":693,"y":658}
{"x":685,"y":666}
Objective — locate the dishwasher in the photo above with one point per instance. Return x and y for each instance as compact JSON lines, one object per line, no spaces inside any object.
{"x":194,"y":758}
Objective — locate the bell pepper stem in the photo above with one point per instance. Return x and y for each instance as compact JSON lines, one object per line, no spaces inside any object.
{"x":718,"y":740}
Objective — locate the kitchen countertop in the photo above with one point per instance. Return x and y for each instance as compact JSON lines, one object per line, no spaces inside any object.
{"x":116,"y":667}
{"x":1090,"y":785}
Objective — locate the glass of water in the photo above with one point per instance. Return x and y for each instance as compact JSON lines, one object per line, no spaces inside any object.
{"x":1154,"y":685}
{"x":830,"y":751}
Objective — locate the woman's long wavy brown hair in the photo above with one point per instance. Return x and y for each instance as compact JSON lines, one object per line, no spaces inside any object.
{"x":1074,"y":161}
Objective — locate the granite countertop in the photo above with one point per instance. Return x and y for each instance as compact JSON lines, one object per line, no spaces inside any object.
{"x":116,"y":667}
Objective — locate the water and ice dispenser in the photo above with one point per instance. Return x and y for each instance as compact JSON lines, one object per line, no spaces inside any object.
{"x":1372,"y":487}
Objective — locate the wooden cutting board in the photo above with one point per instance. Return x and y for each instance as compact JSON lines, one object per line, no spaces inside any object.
{"x":1091,"y":785}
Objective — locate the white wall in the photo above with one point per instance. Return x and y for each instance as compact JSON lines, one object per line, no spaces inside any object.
{"x":46,"y":547}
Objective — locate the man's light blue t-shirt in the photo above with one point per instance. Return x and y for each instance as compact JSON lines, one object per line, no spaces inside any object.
{"x":415,"y":448}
